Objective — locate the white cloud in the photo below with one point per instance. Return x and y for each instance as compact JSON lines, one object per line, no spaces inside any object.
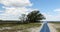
{"x":16,"y":3}
{"x":50,"y":17}
{"x":57,"y":9}
{"x":14,"y":13}
{"x":14,"y":8}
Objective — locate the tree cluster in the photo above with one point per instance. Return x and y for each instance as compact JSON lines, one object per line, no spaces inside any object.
{"x":34,"y":16}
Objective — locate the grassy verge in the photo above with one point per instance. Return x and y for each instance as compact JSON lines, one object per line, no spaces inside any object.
{"x":58,"y":29}
{"x":57,"y":24}
{"x":25,"y":26}
{"x":21,"y":27}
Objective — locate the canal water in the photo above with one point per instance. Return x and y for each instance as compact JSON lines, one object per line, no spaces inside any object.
{"x":45,"y":28}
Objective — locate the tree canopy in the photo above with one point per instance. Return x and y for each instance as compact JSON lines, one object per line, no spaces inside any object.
{"x":35,"y":16}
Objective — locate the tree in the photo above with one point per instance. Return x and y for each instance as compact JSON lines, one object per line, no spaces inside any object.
{"x":35,"y":16}
{"x":22,"y":18}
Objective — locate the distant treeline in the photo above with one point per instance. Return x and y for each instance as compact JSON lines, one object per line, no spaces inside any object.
{"x":6,"y":21}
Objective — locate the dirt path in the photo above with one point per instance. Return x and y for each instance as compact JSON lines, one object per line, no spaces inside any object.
{"x":52,"y":28}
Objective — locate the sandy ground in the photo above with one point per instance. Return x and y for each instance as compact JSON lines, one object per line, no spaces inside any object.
{"x":57,"y":25}
{"x":37,"y":29}
{"x":51,"y":27}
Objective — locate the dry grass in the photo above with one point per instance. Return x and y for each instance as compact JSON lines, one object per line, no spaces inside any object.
{"x":19,"y":27}
{"x":57,"y":25}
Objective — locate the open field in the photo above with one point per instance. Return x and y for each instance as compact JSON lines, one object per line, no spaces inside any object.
{"x":10,"y":27}
{"x":56,"y":25}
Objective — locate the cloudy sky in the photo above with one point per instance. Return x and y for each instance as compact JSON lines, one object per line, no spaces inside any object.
{"x":12,"y":9}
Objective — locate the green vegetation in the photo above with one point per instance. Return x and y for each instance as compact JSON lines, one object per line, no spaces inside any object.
{"x":35,"y":16}
{"x":32,"y":17}
{"x":7,"y":25}
{"x":20,"y":27}
{"x":25,"y":26}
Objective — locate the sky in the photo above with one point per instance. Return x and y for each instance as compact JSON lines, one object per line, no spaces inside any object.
{"x":12,"y":9}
